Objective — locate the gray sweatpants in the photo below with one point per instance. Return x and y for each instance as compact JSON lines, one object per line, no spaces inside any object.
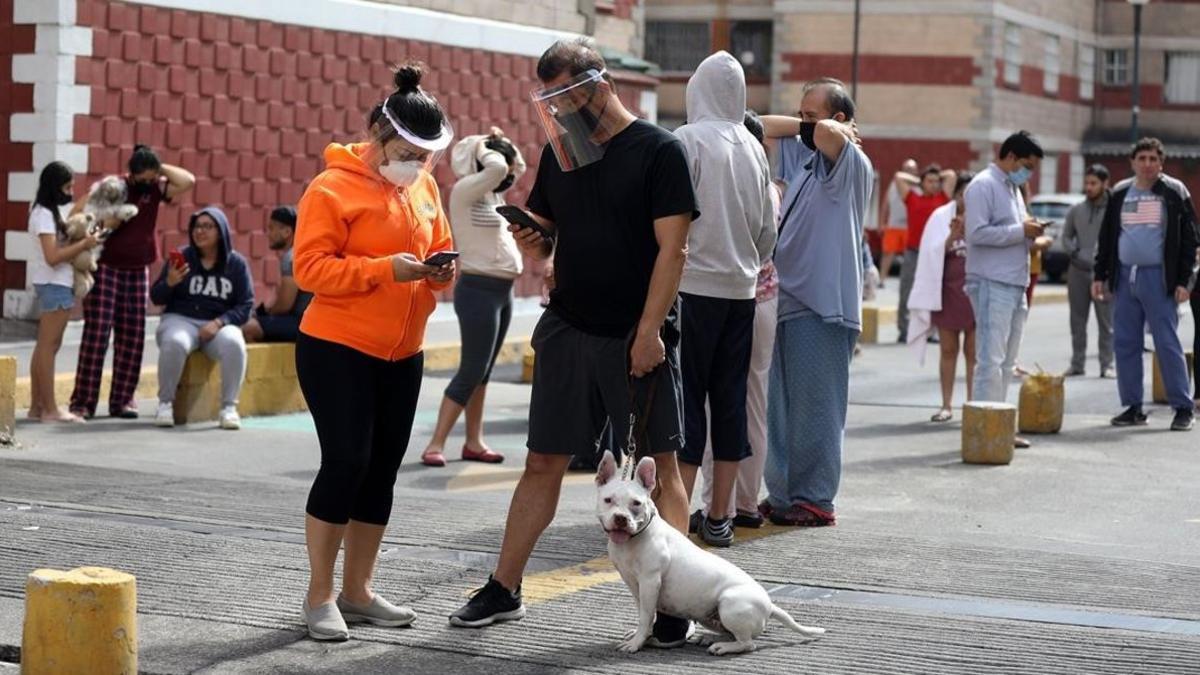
{"x":178,"y":336}
{"x":1079,"y":293}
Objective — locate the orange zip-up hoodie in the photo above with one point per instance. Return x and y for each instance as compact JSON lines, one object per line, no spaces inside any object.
{"x":351,"y":221}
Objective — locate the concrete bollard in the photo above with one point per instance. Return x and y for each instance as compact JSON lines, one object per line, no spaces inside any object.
{"x":8,"y":394}
{"x":527,"y":360}
{"x":1041,"y":404}
{"x":988,"y":429}
{"x":83,"y":621}
{"x":1158,"y":390}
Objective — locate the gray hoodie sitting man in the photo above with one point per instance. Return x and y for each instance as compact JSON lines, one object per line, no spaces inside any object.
{"x":727,"y":246}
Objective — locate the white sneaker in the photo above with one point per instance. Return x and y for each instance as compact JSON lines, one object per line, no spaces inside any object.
{"x":165,"y":417}
{"x":228,"y":419}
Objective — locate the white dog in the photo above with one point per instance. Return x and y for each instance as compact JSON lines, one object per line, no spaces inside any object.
{"x":666,"y":572}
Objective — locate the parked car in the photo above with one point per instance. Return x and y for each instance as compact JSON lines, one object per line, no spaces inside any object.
{"x":1054,"y":207}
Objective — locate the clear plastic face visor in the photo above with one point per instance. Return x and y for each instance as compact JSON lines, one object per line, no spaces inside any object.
{"x":399,"y":144}
{"x":572,"y":116}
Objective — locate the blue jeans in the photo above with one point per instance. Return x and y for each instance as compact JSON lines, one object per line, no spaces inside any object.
{"x":1142,"y":298}
{"x":806,"y":411}
{"x":1000,"y":311}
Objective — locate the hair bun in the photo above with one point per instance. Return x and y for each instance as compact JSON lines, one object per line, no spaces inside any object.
{"x":408,"y":77}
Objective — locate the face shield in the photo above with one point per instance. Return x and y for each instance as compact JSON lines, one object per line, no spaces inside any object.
{"x":406,"y":154}
{"x":568,"y":112}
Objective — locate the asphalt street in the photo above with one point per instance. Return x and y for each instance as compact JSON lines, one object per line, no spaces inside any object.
{"x":1083,"y":555}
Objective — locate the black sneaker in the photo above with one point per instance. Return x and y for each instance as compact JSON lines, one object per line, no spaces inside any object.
{"x":669,"y":632}
{"x":1132,"y":417}
{"x":748,"y":520}
{"x":1184,"y":419}
{"x":488,"y":605}
{"x":694,"y":522}
{"x":717,"y":532}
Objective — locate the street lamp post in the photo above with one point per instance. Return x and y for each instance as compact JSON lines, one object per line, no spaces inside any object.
{"x":854,"y":57}
{"x":1137,"y":64}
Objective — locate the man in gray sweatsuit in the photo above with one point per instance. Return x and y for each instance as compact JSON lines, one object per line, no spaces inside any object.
{"x":1081,"y":232}
{"x":727,"y":246}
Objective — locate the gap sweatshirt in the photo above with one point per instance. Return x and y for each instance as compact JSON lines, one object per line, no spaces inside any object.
{"x":735,"y":233}
{"x":224,"y":292}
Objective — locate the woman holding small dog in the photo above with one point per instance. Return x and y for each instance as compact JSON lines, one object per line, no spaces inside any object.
{"x":367,"y":223}
{"x":53,"y":279}
{"x":208,"y":294}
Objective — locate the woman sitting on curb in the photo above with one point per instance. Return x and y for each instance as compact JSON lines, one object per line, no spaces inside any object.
{"x":208,"y":294}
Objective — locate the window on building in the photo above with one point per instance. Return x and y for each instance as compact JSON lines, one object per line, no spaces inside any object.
{"x":750,"y":43}
{"x":1050,"y":64}
{"x":1048,"y":174}
{"x":1183,"y":77}
{"x":1012,"y":53}
{"x":1116,"y":66}
{"x":677,"y":46}
{"x":1087,"y":72}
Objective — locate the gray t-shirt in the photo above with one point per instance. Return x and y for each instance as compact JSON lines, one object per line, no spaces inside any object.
{"x":285,"y":270}
{"x":819,"y":257}
{"x":1143,"y":228}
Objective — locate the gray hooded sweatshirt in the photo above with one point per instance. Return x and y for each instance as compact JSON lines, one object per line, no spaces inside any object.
{"x":735,"y":233}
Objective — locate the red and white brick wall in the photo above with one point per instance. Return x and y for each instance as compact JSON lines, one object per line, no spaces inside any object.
{"x":246,"y":95}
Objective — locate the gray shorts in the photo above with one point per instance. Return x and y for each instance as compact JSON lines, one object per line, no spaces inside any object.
{"x":581,"y":380}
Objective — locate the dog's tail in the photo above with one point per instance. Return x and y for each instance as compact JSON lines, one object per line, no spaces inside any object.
{"x":787,"y":620}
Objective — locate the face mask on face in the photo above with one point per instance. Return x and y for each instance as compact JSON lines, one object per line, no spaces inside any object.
{"x":139,"y":187}
{"x":505,"y":184}
{"x":401,"y":174}
{"x":807,"y":130}
{"x":1020,"y":176}
{"x":63,"y":199}
{"x":582,"y":118}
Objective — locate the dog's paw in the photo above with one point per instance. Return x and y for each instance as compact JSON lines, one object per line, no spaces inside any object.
{"x":703,"y":639}
{"x":724,"y":648}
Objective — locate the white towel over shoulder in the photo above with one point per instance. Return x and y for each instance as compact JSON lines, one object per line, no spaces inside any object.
{"x":926,"y":295}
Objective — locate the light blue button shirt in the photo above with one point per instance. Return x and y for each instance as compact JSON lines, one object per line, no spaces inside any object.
{"x":997,"y":249}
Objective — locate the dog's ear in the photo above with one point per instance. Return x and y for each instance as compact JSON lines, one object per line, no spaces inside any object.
{"x":607,"y":469}
{"x":647,"y":473}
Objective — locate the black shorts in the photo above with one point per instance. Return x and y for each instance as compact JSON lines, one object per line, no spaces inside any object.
{"x":715,"y":350}
{"x":582,"y":380}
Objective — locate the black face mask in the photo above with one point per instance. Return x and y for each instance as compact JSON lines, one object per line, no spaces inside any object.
{"x":580,"y":118}
{"x":807,"y":129}
{"x":138,"y":187}
{"x":62,"y":198}
{"x":505,"y":184}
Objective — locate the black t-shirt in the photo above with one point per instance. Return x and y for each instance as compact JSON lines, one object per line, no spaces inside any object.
{"x":604,"y":215}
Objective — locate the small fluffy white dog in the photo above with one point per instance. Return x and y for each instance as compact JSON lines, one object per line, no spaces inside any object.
{"x":667,"y":573}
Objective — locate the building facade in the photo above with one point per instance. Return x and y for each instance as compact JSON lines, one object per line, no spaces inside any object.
{"x":246,"y":95}
{"x":947,"y":80}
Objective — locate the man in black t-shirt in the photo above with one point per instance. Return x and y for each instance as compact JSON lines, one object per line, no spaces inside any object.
{"x":609,"y":339}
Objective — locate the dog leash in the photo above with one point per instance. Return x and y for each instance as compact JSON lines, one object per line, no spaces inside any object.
{"x":637,"y":425}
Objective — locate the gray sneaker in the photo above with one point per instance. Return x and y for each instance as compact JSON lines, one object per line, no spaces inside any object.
{"x":325,"y":623}
{"x":717,"y":532}
{"x":379,"y":612}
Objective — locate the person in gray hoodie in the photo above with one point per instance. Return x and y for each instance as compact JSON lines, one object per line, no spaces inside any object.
{"x":727,"y":246}
{"x":207,"y":294}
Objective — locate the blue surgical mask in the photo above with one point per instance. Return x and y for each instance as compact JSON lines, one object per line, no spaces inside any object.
{"x":1020,"y":176}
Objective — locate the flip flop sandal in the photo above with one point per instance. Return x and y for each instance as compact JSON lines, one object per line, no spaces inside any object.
{"x":942,"y":415}
{"x":487,"y":456}
{"x":433,"y":459}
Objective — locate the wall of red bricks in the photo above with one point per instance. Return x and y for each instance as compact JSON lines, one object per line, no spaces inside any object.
{"x":16,"y":157}
{"x":248,"y":107}
{"x":882,"y":68}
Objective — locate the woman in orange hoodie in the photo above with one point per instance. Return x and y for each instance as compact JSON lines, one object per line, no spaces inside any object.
{"x":366,"y":223}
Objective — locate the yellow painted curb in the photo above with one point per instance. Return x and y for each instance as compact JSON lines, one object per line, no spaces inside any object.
{"x":439,"y":357}
{"x":80,"y":622}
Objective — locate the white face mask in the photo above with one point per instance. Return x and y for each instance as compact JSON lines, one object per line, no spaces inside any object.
{"x":401,"y":174}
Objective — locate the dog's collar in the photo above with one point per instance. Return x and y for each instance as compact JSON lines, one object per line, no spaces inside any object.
{"x":643,"y":527}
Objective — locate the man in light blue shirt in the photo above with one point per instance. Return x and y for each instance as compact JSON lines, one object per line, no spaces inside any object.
{"x":999,"y":235}
{"x":820,"y":265}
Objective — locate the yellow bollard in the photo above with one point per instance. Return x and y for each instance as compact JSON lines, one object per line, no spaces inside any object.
{"x":8,"y":394}
{"x":870,"y":325}
{"x":83,"y":621}
{"x":1158,"y":391}
{"x":988,"y":429}
{"x":1041,"y":404}
{"x":527,"y":365}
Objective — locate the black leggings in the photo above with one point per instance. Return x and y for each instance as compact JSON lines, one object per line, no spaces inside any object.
{"x":363,"y":408}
